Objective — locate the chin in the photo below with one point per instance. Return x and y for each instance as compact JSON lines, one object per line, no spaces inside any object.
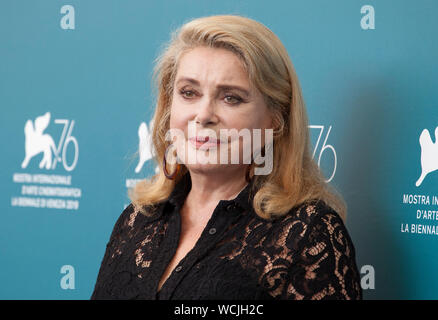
{"x":204,"y":168}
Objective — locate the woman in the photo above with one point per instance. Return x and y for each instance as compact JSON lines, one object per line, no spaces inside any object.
{"x":227,"y":230}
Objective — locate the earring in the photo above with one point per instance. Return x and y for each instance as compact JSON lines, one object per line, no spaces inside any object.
{"x":173,"y":175}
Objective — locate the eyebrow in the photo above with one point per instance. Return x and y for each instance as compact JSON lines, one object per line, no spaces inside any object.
{"x":220,"y":86}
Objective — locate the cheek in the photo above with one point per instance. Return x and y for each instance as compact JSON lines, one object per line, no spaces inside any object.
{"x":254,"y":116}
{"x":257,"y":123}
{"x":178,"y":119}
{"x":249,"y":121}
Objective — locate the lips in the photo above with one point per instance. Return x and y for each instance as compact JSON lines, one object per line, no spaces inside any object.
{"x":205,"y":141}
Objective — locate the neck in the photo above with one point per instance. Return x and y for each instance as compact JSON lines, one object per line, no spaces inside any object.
{"x":208,"y":189}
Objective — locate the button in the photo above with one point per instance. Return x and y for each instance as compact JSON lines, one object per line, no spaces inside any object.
{"x":212,"y":231}
{"x":178,"y":269}
{"x":230,"y":207}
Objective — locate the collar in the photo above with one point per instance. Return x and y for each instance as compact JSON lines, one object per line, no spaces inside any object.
{"x":182,"y":189}
{"x":184,"y":185}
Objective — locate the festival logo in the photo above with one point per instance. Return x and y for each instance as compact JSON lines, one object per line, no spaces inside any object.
{"x":145,"y":152}
{"x":144,"y":145}
{"x":429,"y":154}
{"x":42,"y":190}
{"x":423,"y":206}
{"x":36,"y":141}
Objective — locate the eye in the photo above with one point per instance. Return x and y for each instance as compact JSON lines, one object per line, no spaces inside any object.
{"x":232,"y":99}
{"x":187,"y":94}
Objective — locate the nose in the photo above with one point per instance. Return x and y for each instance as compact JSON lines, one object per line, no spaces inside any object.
{"x":206,"y":112}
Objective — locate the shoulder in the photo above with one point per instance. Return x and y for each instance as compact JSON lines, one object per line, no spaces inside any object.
{"x":309,"y":213}
{"x":133,"y":217}
{"x":313,"y":223}
{"x":313,"y":244}
{"x":312,"y":211}
{"x":123,"y":221}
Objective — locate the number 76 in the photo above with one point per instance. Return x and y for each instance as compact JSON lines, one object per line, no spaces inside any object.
{"x":324,"y":147}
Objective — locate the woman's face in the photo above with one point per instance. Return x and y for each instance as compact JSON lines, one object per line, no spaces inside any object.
{"x":211,"y":95}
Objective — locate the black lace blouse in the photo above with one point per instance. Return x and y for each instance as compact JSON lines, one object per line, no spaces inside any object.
{"x":306,"y":254}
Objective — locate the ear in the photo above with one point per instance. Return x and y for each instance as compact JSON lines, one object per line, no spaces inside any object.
{"x":42,"y":122}
{"x":275,"y":121}
{"x":268,"y":120}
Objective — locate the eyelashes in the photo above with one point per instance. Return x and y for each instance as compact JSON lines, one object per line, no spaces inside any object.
{"x":188,"y":94}
{"x":231,"y":99}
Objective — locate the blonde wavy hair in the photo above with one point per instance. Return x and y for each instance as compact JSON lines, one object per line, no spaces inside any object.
{"x":295,"y":177}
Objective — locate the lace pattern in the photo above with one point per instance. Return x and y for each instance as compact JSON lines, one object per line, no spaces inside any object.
{"x":306,"y":254}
